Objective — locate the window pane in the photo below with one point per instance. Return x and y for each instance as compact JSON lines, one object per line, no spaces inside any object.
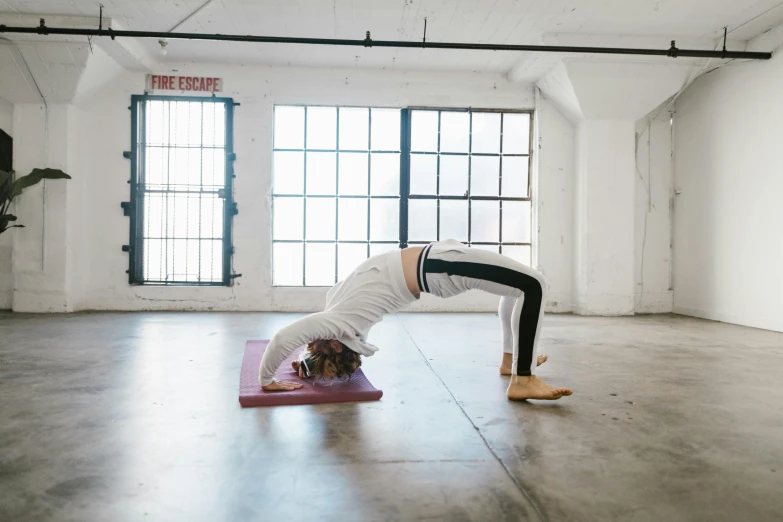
{"x":157,"y":166}
{"x":515,"y":176}
{"x":192,"y":262}
{"x":321,"y":172}
{"x":485,"y":221}
{"x":178,"y":214}
{"x":353,"y":174}
{"x":174,"y":127}
{"x":488,"y":248}
{"x":484,"y":175}
{"x":213,"y":168}
{"x":486,"y":132}
{"x":178,"y":266}
{"x":319,"y":268}
{"x":288,"y":176}
{"x":354,"y":128}
{"x":195,"y":124}
{"x":385,"y":219}
{"x":424,"y":174}
{"x":385,"y":175}
{"x":453,"y":175}
{"x":352,"y":222}
{"x":382,"y":248}
{"x":520,"y":254}
{"x":192,"y":217}
{"x":516,"y":221}
{"x":153,"y":214}
{"x":422,"y":220}
{"x":212,"y":216}
{"x":321,"y":127}
{"x":289,"y":127}
{"x":288,"y":218}
{"x":321,"y":218}
{"x":211,"y":260}
{"x":213,"y":112}
{"x":349,"y":256}
{"x":185,"y":125}
{"x":157,"y":123}
{"x":153,"y":259}
{"x":386,"y":129}
{"x":454,"y":220}
{"x":184,"y":167}
{"x":516,"y":133}
{"x":454,"y":131}
{"x":288,"y":262}
{"x":424,"y":131}
{"x":220,"y":124}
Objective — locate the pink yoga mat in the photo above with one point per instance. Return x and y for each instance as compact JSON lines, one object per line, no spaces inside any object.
{"x":358,"y":388}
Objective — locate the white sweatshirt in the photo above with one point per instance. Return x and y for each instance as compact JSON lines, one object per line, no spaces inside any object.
{"x":353,"y":306}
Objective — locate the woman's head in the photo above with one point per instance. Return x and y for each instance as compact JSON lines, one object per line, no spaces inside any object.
{"x":329,"y":359}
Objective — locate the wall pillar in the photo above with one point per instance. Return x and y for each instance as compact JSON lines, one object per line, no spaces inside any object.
{"x":41,"y":264}
{"x":604,"y":279}
{"x":604,"y":100}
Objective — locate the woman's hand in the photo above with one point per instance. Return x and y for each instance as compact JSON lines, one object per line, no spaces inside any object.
{"x":298,"y":369}
{"x":282,"y":386}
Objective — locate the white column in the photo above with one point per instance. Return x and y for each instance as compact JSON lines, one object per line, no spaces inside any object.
{"x":41,"y":264}
{"x":603,"y":278}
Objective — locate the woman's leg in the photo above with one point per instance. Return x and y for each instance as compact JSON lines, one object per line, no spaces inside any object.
{"x":453,"y":271}
{"x":526,"y":320}
{"x":505,"y":312}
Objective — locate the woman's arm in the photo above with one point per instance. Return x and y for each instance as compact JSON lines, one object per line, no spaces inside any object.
{"x":305,"y":330}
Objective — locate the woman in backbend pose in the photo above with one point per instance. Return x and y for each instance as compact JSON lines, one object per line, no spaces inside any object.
{"x":337,"y":337}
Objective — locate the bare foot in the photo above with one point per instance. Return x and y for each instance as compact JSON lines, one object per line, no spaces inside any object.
{"x":531,"y":387}
{"x":505,"y":366}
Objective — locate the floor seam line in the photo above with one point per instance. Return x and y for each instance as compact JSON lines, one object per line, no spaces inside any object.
{"x":519,"y":486}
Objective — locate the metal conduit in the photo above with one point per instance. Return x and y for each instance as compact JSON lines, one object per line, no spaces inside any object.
{"x":672,"y":52}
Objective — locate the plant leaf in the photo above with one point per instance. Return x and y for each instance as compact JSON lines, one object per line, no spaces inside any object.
{"x":4,"y":220}
{"x":35,"y":177}
{"x":3,"y":229}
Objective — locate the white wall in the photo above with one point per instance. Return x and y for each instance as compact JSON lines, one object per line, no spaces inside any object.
{"x":653,"y":252}
{"x":556,"y":203}
{"x":42,"y":251}
{"x":101,"y":174}
{"x":728,"y":244}
{"x":604,"y":217}
{"x":93,"y":272}
{"x":6,"y":241}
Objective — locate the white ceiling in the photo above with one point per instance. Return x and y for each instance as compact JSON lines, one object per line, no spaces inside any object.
{"x":485,"y":21}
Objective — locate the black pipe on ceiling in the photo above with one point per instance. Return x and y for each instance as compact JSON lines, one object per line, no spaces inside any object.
{"x":673,"y":51}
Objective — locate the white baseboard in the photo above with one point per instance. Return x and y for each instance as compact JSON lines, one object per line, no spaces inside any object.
{"x":765,"y":323}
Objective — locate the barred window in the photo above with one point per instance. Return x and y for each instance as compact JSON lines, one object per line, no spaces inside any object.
{"x":181,"y":191}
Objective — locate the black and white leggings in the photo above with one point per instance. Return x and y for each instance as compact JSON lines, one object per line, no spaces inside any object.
{"x":450,"y":268}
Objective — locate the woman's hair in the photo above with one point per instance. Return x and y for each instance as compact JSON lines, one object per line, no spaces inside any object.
{"x":331,"y":359}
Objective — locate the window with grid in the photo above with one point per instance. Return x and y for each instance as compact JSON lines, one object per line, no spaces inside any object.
{"x":469,"y":179}
{"x":336,"y":191}
{"x":181,"y":191}
{"x":347,"y":184}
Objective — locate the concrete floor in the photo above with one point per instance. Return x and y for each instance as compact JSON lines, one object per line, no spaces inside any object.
{"x":135,"y":417}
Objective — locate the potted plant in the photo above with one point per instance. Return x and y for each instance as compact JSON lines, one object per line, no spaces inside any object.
{"x":10,"y":188}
